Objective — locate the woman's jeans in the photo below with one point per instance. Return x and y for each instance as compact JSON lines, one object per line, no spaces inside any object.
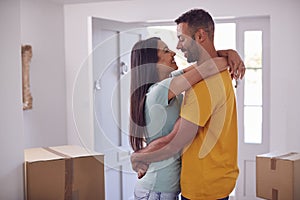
{"x":144,"y":194}
{"x":183,"y":198}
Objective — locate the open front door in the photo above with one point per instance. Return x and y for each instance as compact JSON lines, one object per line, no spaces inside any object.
{"x":112,"y":42}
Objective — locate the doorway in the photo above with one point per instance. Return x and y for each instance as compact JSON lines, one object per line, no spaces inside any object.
{"x":111,"y":44}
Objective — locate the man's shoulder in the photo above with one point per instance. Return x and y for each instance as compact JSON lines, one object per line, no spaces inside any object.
{"x":209,"y":83}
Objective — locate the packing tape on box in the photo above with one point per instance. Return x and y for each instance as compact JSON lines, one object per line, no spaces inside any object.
{"x":273,"y":159}
{"x":273,"y":167}
{"x":68,"y":172}
{"x":274,"y":194}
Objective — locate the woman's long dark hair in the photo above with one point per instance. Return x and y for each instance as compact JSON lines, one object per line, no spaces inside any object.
{"x":143,"y":74}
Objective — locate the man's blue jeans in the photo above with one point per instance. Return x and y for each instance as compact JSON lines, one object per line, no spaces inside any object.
{"x":183,"y":198}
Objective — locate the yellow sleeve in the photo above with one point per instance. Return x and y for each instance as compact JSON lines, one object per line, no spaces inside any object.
{"x":196,"y":106}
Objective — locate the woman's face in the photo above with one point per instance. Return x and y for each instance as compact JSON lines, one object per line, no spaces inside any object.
{"x":165,"y":57}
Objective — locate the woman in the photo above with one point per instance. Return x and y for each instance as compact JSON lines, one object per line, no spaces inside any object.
{"x":155,"y":104}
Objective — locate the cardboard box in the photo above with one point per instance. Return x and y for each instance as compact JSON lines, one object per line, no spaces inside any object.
{"x":278,"y":176}
{"x":63,"y":173}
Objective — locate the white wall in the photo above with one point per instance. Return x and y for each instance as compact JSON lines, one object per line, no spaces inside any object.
{"x":285,"y":52}
{"x":42,"y":26}
{"x":11,"y":117}
{"x":79,"y":131}
{"x":284,"y":39}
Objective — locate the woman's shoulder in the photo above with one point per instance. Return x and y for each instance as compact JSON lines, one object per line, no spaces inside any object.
{"x":160,"y":86}
{"x":158,"y":92}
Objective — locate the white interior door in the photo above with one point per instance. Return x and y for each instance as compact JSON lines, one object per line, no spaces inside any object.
{"x":112,"y":43}
{"x":253,"y":38}
{"x":127,"y":40}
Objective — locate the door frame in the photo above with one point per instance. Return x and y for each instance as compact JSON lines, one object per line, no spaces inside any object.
{"x":247,"y":152}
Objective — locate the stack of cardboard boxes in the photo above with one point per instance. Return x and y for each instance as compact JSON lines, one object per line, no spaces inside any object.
{"x":63,"y":173}
{"x":278,"y":176}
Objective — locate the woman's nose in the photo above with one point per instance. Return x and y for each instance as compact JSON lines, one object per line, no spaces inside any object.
{"x":173,"y":53}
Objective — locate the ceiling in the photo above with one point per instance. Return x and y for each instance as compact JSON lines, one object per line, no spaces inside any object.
{"x":82,"y":1}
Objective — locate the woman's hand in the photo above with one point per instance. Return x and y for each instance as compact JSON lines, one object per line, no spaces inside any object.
{"x":236,"y":65}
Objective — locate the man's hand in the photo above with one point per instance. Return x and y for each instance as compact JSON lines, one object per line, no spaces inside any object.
{"x":139,"y":167}
{"x":164,"y":147}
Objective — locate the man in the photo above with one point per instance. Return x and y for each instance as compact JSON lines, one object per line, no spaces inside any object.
{"x":207,"y":128}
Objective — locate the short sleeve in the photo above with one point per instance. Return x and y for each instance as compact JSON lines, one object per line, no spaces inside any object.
{"x":196,"y":106}
{"x":158,"y":93}
{"x":176,"y":73}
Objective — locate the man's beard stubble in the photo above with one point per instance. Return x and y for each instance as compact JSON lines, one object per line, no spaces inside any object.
{"x":193,"y":52}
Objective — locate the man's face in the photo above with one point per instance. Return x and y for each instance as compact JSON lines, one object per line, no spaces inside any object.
{"x":187,"y":44}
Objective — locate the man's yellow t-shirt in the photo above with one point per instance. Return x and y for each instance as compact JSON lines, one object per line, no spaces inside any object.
{"x":209,"y":163}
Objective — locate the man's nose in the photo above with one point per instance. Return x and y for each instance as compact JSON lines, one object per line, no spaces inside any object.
{"x":179,"y":45}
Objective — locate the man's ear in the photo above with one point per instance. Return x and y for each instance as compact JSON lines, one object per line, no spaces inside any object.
{"x":200,"y":35}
